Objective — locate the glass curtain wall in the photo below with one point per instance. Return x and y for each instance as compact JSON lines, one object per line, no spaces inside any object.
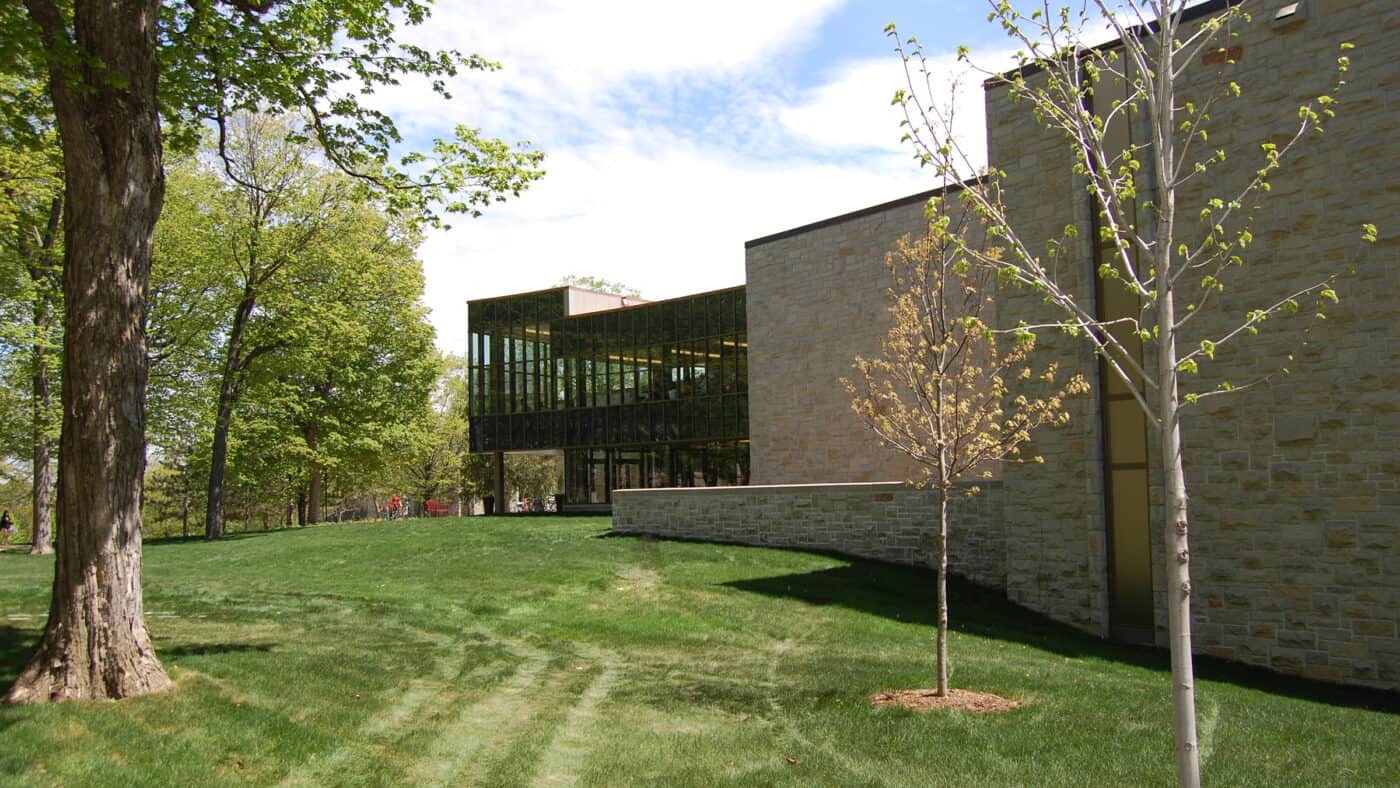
{"x":510,"y":369}
{"x":644,"y":396}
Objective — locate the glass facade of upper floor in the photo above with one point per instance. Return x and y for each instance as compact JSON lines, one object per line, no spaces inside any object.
{"x":649,"y":395}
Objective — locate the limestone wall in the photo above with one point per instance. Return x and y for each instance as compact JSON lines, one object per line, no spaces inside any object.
{"x":816,"y":300}
{"x":1294,"y":483}
{"x":887,"y":522}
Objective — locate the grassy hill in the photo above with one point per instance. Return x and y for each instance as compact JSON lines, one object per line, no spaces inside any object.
{"x":540,"y":651}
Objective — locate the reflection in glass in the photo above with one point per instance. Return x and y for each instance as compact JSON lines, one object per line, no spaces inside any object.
{"x":645,"y":396}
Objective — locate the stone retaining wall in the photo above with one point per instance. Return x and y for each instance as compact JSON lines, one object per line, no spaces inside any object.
{"x":884,"y":521}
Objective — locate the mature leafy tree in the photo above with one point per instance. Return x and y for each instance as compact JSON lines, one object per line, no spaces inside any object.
{"x":355,"y":365}
{"x":476,"y":472}
{"x":193,"y":294}
{"x":344,"y":379}
{"x":599,"y":285}
{"x":940,"y":392}
{"x":428,"y":461}
{"x":533,"y":476}
{"x":426,"y":466}
{"x":31,"y":217}
{"x":115,"y":69}
{"x":172,"y":494}
{"x":271,"y":212}
{"x":1174,"y":259}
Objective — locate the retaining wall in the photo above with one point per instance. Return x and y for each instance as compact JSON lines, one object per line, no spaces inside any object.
{"x":884,"y":521}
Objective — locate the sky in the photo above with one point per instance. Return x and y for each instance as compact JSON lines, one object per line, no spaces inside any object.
{"x":674,"y":132}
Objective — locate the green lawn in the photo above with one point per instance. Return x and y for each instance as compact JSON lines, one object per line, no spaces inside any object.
{"x":523,"y":651}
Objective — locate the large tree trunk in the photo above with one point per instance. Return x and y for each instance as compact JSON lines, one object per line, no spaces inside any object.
{"x":95,"y":644}
{"x":229,"y":389}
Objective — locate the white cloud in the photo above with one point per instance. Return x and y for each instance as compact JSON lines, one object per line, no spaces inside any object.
{"x":672,"y":138}
{"x":853,"y":108}
{"x":594,"y":45}
{"x":667,"y":222}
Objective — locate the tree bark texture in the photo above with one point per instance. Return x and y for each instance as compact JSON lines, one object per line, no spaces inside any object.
{"x":313,"y":482}
{"x":230,"y":386}
{"x":1178,"y":558}
{"x":42,"y":269}
{"x":95,"y":644}
{"x":43,"y":460}
{"x":942,"y":592}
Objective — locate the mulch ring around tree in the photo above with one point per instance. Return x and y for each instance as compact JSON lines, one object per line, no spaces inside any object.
{"x":956,"y":700}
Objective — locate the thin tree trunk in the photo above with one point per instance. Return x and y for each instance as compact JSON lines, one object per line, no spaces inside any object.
{"x":95,"y":644}
{"x":43,"y":465}
{"x":42,"y":272}
{"x":1178,"y":558}
{"x":228,"y":397}
{"x":941,"y":479}
{"x":1179,"y":606}
{"x":942,"y":592}
{"x":313,"y":484}
{"x":313,"y":497}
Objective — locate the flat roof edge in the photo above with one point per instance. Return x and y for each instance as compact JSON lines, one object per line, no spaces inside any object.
{"x":856,"y":214}
{"x":558,"y":288}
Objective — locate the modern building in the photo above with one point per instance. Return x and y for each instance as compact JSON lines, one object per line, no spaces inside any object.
{"x":1294,"y":482}
{"x":629,"y":394}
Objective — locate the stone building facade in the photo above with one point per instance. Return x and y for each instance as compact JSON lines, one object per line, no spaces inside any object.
{"x":1296,"y":520}
{"x":1294,"y":482}
{"x":818,"y":299}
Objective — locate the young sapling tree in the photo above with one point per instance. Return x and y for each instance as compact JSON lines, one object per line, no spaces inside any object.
{"x":941,"y":390}
{"x":1175,"y":260}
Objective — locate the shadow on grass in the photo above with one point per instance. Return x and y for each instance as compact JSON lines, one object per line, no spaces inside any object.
{"x":236,"y":536}
{"x":205,"y":649}
{"x":16,"y":647}
{"x":908,"y":594}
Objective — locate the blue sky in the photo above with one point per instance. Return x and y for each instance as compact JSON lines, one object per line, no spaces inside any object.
{"x":674,"y":132}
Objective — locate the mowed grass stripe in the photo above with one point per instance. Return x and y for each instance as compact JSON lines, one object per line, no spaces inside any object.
{"x":567,"y":754}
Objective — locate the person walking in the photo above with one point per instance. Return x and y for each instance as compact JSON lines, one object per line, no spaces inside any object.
{"x":7,"y":527}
